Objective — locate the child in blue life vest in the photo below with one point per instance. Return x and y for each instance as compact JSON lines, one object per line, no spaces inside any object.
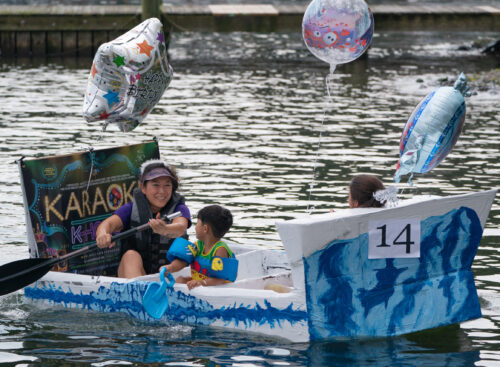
{"x":212,"y":261}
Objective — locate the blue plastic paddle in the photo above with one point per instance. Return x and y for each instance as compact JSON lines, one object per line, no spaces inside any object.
{"x":155,"y":300}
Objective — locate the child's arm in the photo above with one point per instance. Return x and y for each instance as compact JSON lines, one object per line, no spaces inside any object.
{"x":174,"y":266}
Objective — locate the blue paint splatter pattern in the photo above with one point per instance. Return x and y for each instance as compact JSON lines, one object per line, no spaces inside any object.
{"x":185,"y":308}
{"x":350,"y":296}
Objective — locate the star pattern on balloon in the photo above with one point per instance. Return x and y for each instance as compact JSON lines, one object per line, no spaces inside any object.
{"x":104,"y":115}
{"x":160,"y":37}
{"x":145,"y":48}
{"x":111,"y":97}
{"x":117,"y":73}
{"x":119,"y":61}
{"x":94,"y":70}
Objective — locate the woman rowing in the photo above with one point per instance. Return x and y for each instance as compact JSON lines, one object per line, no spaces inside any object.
{"x":158,"y":196}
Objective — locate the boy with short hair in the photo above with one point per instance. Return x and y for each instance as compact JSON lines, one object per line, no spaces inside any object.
{"x":206,"y":270}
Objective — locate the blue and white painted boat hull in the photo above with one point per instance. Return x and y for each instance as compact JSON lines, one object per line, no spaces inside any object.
{"x":330,"y":282}
{"x":243,"y":305}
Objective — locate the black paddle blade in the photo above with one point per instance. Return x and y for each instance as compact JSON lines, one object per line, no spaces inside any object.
{"x":19,"y":274}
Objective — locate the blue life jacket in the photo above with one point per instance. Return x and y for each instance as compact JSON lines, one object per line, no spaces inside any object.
{"x":207,"y":266}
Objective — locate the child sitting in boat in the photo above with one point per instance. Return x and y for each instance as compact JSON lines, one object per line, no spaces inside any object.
{"x":212,"y":261}
{"x":367,"y":191}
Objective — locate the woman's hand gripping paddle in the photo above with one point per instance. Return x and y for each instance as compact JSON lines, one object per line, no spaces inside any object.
{"x":18,"y":274}
{"x":155,"y":300}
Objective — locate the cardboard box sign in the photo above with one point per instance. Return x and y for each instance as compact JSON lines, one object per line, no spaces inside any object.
{"x":66,"y":197}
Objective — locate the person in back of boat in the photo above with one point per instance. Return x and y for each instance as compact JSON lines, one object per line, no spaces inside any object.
{"x":145,"y":252}
{"x":368,"y":191}
{"x":212,"y":261}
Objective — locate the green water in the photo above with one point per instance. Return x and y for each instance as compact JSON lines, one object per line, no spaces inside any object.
{"x":241,"y":121}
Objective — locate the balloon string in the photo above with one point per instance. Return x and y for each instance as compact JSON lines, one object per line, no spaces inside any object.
{"x":328,"y":81}
{"x":92,"y":154}
{"x":103,"y":130}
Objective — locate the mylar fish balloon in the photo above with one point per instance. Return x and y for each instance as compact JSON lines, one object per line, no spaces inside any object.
{"x":432,"y":129}
{"x":337,"y":31}
{"x":128,"y":77}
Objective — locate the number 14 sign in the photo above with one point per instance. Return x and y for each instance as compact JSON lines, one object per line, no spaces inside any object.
{"x":394,"y":238}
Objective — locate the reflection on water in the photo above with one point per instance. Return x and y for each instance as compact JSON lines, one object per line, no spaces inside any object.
{"x":241,"y":120}
{"x":51,"y":336}
{"x":448,"y":346}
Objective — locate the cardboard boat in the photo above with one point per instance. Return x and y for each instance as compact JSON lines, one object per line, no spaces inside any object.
{"x":354,"y":273}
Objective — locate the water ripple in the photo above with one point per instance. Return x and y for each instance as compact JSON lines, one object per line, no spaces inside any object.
{"x":242,"y":120}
